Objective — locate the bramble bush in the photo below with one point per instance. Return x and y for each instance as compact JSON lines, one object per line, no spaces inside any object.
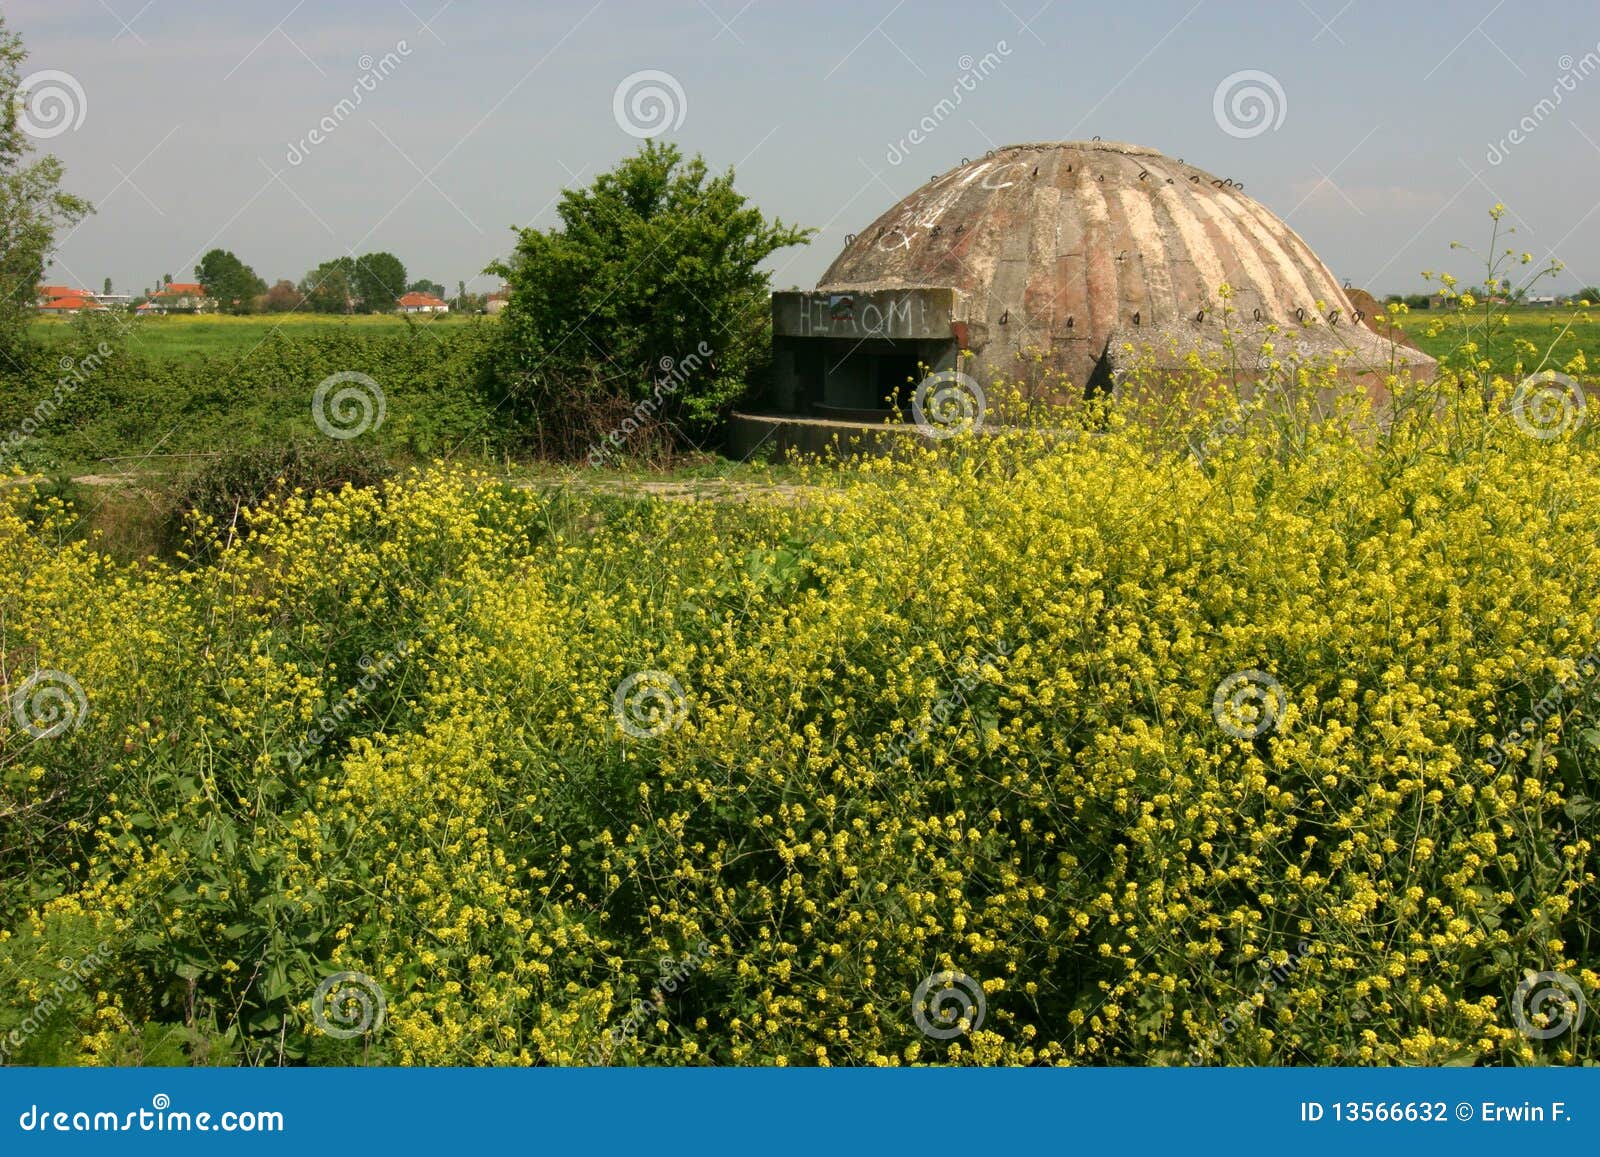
{"x":103,"y":396}
{"x":954,"y":712}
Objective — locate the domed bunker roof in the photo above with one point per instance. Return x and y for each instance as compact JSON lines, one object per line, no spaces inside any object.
{"x":1072,"y":250}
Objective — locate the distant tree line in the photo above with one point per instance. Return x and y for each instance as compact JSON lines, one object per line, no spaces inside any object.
{"x":373,"y":283}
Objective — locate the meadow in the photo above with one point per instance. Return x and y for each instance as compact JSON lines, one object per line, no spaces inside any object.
{"x":1527,"y":333}
{"x":1024,"y":749}
{"x":178,"y":337}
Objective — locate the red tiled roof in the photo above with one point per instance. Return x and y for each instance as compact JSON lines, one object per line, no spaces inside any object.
{"x":182,"y":289}
{"x":71,"y":301}
{"x":415,"y":299}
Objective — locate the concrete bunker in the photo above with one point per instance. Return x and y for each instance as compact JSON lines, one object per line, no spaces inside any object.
{"x":1082,"y":256}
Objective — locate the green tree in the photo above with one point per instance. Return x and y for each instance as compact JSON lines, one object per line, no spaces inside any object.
{"x":331,"y":286}
{"x":1590,"y":293}
{"x":32,"y":206}
{"x":380,"y":279}
{"x":233,"y":283}
{"x":106,"y":288}
{"x":653,"y":261}
{"x":426,"y":286}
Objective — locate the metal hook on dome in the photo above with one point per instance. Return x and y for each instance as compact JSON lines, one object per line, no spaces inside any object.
{"x":964,"y":161}
{"x":1143,"y":173}
{"x":1094,"y":138}
{"x":1239,"y":185}
{"x":1069,"y":321}
{"x":1200,"y":316}
{"x":1195,"y":178}
{"x":1136,"y":317}
{"x":1216,"y":183}
{"x":1333,"y":318}
{"x":1258,"y":314}
{"x":1360,"y":315}
{"x":1005,"y":317}
{"x":935,"y":231}
{"x":1300,"y":313}
{"x":849,"y":238}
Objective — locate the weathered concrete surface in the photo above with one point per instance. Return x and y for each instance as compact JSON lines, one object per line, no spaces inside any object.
{"x":1074,"y":249}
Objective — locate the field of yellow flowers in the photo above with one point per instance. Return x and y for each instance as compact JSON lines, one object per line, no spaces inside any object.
{"x":1075,"y":746}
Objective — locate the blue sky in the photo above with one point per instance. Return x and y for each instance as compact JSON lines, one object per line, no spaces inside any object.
{"x":1378,"y":151}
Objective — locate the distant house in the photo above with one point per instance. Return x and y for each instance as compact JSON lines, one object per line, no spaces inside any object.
{"x":180,"y":297}
{"x":64,"y":301}
{"x":67,"y":304}
{"x":497,"y":300}
{"x":423,"y":303}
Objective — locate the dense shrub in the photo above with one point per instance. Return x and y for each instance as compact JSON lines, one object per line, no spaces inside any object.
{"x":957,"y":712}
{"x":212,"y":497}
{"x":650,"y":292}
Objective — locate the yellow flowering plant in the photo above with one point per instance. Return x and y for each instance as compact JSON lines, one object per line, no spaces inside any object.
{"x":1283,"y":751}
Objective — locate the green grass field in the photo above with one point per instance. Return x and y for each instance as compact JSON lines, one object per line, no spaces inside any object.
{"x":1565,"y":331}
{"x":1562,"y":332}
{"x":182,"y":336}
